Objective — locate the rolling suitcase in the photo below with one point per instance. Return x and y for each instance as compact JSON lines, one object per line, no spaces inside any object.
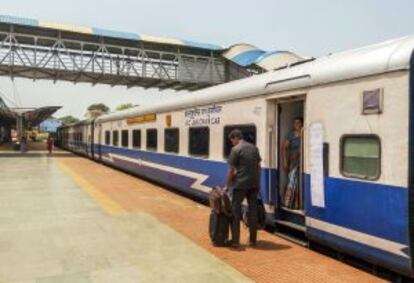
{"x":220,"y":217}
{"x":219,"y":228}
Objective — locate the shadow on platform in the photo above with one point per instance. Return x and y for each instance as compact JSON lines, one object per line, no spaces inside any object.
{"x":270,"y":246}
{"x":263,"y":245}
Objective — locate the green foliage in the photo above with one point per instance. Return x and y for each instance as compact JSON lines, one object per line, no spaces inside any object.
{"x":68,"y":120}
{"x":96,"y":110}
{"x":124,"y":106}
{"x":99,"y":107}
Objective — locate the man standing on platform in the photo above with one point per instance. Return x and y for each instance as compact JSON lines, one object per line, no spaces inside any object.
{"x":244,"y":178}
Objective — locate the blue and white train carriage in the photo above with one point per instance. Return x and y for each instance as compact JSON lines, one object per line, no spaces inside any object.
{"x":357,"y":185}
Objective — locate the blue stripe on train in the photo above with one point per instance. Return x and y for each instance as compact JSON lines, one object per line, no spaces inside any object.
{"x":371,"y":208}
{"x":163,"y":177}
{"x":216,"y":170}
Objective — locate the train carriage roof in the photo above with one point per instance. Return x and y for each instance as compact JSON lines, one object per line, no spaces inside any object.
{"x":78,"y":124}
{"x":388,"y":56}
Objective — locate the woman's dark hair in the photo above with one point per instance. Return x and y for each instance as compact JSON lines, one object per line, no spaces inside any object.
{"x":299,"y":118}
{"x":236,"y":134}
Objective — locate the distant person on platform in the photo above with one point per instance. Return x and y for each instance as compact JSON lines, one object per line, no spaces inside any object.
{"x":50,"y":143}
{"x":244,"y":178}
{"x":23,"y":144}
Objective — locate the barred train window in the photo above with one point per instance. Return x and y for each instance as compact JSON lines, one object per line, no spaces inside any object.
{"x":124,"y":138}
{"x":107,"y":137}
{"x":115,"y":137}
{"x":152,"y":140}
{"x":249,"y":135}
{"x":361,"y":157}
{"x":171,"y":140}
{"x":136,"y":138}
{"x":199,"y":141}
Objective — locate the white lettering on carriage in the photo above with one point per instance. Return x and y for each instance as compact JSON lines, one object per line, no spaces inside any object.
{"x":209,"y":115}
{"x":199,"y":178}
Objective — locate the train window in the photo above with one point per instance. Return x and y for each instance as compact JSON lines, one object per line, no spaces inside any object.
{"x":107,"y":137}
{"x":361,"y":156}
{"x":171,"y":140}
{"x":124,"y":138}
{"x":199,"y":141}
{"x":136,"y":138}
{"x":249,"y":135}
{"x":152,"y":139}
{"x":115,"y":137}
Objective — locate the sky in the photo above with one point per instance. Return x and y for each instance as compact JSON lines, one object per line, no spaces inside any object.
{"x":311,"y":28}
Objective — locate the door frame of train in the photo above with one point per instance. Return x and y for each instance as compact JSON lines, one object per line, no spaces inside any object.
{"x":298,"y":97}
{"x":93,"y":139}
{"x":411,"y":160}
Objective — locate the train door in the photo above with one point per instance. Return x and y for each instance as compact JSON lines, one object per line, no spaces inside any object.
{"x":99,"y":131}
{"x":290,"y":189}
{"x":92,"y":135}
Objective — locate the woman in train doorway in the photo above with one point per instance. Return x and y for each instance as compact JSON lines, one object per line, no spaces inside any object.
{"x":291,"y":164}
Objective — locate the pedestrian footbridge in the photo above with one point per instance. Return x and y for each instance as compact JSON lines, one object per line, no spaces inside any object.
{"x":43,"y":50}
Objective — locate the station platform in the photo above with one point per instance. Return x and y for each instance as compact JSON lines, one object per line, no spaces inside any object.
{"x":32,"y":147}
{"x":65,"y":218}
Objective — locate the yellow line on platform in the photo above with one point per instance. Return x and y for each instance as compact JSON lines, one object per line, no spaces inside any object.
{"x":107,"y":204}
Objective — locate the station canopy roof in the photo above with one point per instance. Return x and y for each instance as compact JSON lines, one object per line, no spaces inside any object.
{"x":35,"y":116}
{"x":6,"y":115}
{"x":31,"y":116}
{"x":244,"y":55}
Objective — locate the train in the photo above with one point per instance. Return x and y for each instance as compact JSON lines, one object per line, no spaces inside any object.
{"x":356,"y":186}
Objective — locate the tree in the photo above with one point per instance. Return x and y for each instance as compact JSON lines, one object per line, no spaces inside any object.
{"x":69,"y":119}
{"x":96,"y":110}
{"x":124,"y":106}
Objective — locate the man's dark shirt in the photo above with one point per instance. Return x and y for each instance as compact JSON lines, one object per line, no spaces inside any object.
{"x":245,"y":158}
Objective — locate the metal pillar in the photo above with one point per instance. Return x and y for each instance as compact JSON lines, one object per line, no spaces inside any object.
{"x":20,"y":127}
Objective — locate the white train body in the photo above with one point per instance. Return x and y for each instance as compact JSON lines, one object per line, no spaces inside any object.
{"x":357,"y":181}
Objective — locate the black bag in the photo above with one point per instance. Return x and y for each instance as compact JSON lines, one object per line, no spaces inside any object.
{"x":219,"y":228}
{"x":261,"y":215}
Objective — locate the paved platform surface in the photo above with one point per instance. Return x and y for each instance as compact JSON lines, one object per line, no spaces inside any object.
{"x":68,"y":219}
{"x":37,"y":146}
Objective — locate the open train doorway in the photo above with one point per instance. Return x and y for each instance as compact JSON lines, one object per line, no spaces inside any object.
{"x":290,"y":121}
